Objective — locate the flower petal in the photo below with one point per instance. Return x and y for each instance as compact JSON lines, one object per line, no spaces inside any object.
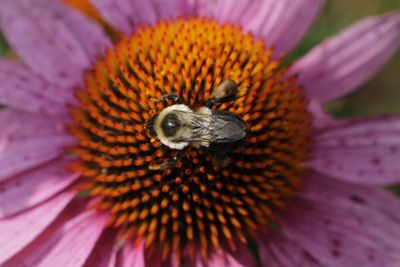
{"x":281,"y":23}
{"x":27,"y":141}
{"x":93,"y":39}
{"x":339,"y":224}
{"x":31,"y":188}
{"x":46,"y":41}
{"x":360,"y":150}
{"x":116,"y":17}
{"x":131,"y":257}
{"x":104,"y":253}
{"x":22,"y":89}
{"x":217,"y":260}
{"x":68,"y":243}
{"x":320,"y":117}
{"x":283,"y":252}
{"x":342,"y":63}
{"x":18,"y":231}
{"x":126,"y":15}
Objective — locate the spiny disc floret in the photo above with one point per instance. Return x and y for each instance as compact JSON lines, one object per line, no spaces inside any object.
{"x":195,"y":205}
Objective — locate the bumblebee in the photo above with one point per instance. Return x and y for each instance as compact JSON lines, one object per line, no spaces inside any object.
{"x":178,"y":126}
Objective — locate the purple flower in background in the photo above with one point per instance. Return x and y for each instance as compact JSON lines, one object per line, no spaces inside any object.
{"x":82,"y":181}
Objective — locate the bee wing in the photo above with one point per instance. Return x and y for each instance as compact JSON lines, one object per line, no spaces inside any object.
{"x":226,"y":127}
{"x":217,"y":127}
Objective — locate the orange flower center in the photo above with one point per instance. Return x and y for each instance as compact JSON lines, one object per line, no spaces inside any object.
{"x":194,"y":205}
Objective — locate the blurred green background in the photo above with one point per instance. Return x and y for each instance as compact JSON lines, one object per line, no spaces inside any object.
{"x":382,"y":93}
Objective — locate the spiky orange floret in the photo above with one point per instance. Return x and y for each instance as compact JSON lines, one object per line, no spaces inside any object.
{"x":195,"y":205}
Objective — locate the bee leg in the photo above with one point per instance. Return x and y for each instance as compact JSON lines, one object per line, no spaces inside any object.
{"x":170,"y":96}
{"x":211,"y":103}
{"x":167,"y":164}
{"x":220,"y":160}
{"x":214,"y":101}
{"x":163,"y":166}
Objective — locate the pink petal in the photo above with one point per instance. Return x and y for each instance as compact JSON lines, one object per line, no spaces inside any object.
{"x":18,"y":231}
{"x":31,"y":188}
{"x":67,"y":244}
{"x":339,"y":224}
{"x":93,"y":39}
{"x":281,"y":23}
{"x":131,"y":257}
{"x":116,"y":17}
{"x":342,"y":63}
{"x":46,"y":40}
{"x":320,"y":118}
{"x":360,"y":150}
{"x":27,"y":141}
{"x":104,"y":253}
{"x":281,"y":251}
{"x":22,"y":89}
{"x":218,"y":260}
{"x":243,"y":255}
{"x":126,"y":15}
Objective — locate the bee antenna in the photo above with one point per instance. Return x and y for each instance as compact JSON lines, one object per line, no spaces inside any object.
{"x":150,"y":125}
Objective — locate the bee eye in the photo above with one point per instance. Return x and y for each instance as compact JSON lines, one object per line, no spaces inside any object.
{"x":170,"y":125}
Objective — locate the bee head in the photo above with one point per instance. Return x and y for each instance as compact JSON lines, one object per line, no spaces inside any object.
{"x":169,"y":126}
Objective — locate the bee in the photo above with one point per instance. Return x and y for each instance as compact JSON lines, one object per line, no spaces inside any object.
{"x":178,"y":126}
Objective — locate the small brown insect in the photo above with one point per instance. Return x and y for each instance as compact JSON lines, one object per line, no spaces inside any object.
{"x":225,"y":91}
